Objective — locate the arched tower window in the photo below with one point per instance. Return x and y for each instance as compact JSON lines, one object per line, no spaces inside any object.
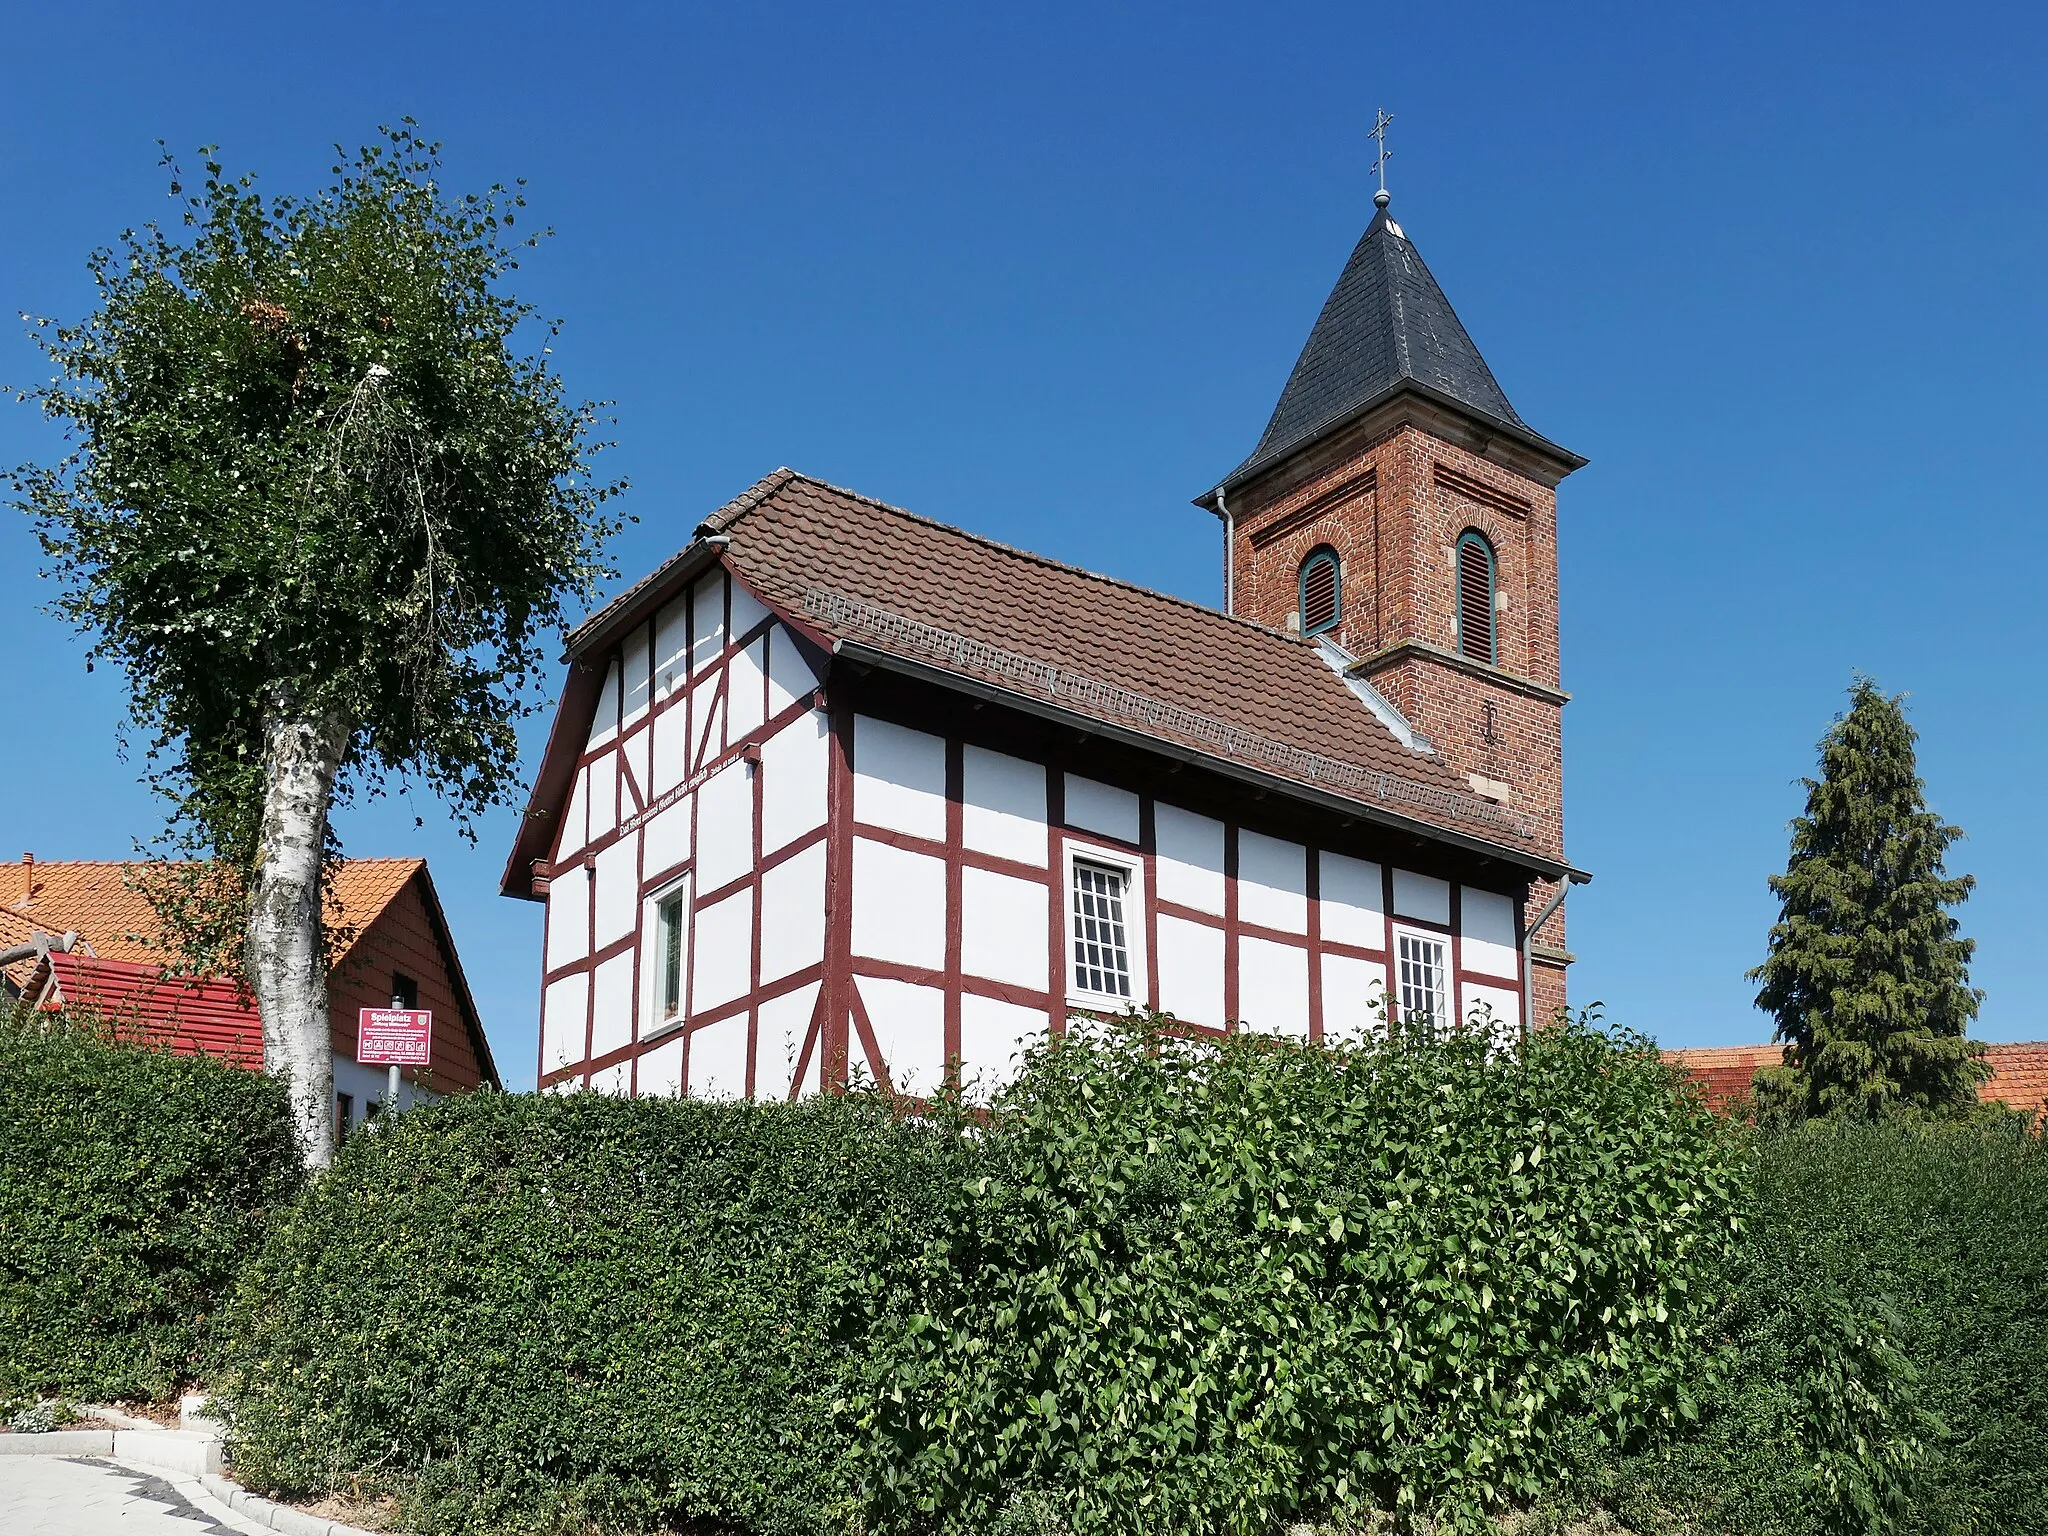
{"x":1478,"y":633}
{"x":1321,"y":595}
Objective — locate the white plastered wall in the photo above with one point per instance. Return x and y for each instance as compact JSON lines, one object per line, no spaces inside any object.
{"x":899,"y":905}
{"x":1003,"y":927}
{"x":910,"y":1029}
{"x":706,"y":698}
{"x":1002,"y":806}
{"x":1486,"y":924}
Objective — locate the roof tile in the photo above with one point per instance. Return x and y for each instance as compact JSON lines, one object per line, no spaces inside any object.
{"x":2019,"y":1071}
{"x":105,"y":903}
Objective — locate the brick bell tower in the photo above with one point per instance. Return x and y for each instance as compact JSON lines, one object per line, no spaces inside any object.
{"x":1399,"y":513}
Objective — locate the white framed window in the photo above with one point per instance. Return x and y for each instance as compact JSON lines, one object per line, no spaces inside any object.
{"x":1424,"y":962}
{"x":665,"y":958}
{"x":1105,"y":938}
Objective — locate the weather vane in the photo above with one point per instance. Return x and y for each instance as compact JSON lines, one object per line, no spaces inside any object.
{"x":1381,"y":124}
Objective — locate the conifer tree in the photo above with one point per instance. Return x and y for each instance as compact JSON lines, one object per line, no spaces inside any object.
{"x":1868,"y":973}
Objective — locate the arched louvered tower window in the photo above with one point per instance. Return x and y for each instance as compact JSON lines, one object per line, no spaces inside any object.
{"x":1478,"y":633}
{"x":1322,"y":592}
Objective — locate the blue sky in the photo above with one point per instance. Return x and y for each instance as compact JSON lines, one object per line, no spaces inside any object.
{"x":1040,"y":271}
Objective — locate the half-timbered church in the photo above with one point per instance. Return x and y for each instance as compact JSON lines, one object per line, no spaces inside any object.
{"x":842,"y":791}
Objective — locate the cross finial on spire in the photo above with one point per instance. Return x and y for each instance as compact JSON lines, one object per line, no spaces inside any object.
{"x":1381,"y":124}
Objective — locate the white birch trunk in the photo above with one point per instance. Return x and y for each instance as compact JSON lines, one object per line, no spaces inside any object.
{"x":285,"y":960}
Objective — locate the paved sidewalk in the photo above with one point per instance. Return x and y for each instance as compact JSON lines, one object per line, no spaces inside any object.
{"x":62,"y":1496}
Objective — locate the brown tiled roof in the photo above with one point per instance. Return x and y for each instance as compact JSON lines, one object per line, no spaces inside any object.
{"x":2019,"y":1071}
{"x":104,"y":902}
{"x":859,"y":571}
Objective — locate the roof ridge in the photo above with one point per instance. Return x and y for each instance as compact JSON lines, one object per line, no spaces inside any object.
{"x":1032,"y":555}
{"x":1404,"y":359}
{"x":93,"y":863}
{"x":733,"y":510}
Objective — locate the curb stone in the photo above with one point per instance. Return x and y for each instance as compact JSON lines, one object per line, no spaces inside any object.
{"x":193,"y":1460}
{"x":118,"y":1419}
{"x":169,"y":1450}
{"x":279,"y":1517}
{"x":60,"y":1442}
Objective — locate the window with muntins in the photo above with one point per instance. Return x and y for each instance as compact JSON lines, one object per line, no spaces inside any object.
{"x":1424,"y":961}
{"x":1322,"y":592}
{"x":669,"y":916}
{"x":1478,"y":631}
{"x":1102,"y":946}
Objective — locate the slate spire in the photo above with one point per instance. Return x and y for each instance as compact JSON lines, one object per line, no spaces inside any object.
{"x":1386,"y":326}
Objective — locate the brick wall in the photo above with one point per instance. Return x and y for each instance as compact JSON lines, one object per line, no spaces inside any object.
{"x":1393,"y":505}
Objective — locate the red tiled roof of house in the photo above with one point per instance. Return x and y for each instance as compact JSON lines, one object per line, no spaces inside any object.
{"x":2019,"y":1074}
{"x":104,"y":901}
{"x":119,"y":965}
{"x":1724,"y":1072}
{"x":2019,"y":1071}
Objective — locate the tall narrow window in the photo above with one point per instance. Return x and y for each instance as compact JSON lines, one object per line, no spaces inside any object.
{"x":1102,"y":945}
{"x":1424,"y":990}
{"x":1478,"y":634}
{"x":1322,"y":592}
{"x":669,"y":916}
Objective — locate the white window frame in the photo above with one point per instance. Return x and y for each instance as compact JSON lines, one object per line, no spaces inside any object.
{"x":654,"y":954}
{"x":1132,"y":867}
{"x":1446,"y":1021}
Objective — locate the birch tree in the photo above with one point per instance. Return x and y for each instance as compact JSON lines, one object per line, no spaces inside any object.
{"x":324,"y":500}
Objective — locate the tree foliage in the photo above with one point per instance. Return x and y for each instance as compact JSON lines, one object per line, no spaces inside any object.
{"x":311,"y":470}
{"x":1868,"y":972}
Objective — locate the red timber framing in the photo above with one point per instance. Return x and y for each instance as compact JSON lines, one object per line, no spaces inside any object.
{"x":842,"y":1038}
{"x":963,"y":723}
{"x":622,"y":742}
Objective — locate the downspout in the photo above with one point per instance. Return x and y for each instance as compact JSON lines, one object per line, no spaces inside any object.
{"x":1529,"y":943}
{"x":1229,"y":554}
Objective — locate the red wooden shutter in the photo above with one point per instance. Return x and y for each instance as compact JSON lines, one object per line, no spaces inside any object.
{"x":1475,"y":598}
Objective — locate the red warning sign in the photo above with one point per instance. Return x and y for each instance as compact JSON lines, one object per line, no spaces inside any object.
{"x":395,"y":1037}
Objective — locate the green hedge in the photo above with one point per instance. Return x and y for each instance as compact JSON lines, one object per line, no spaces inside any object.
{"x":133,"y":1185}
{"x":1155,"y":1286}
{"x":1892,"y":1297}
{"x":529,"y":1312}
{"x":1218,"y":1288}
